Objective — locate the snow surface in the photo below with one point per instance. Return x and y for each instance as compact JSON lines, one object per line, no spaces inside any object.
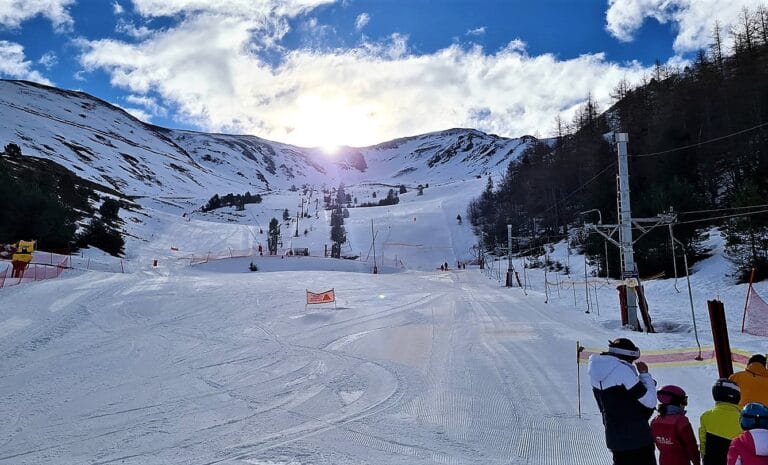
{"x":212,"y":364}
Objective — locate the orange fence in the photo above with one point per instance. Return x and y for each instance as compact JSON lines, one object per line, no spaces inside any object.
{"x":755,"y":320}
{"x":33,"y":272}
{"x":229,"y":253}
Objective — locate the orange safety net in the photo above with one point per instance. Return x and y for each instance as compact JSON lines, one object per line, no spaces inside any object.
{"x":33,"y":272}
{"x":756,"y":322}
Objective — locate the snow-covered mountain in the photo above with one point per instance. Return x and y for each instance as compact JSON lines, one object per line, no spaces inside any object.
{"x":104,"y":144}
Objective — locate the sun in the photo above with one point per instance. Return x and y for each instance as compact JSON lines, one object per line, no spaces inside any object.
{"x":331,"y":123}
{"x":330,"y":150}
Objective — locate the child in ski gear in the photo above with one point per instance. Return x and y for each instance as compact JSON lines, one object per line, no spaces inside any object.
{"x":719,"y":425}
{"x":672,"y":431}
{"x":626,"y":396}
{"x":753,"y":381}
{"x":751,"y":446}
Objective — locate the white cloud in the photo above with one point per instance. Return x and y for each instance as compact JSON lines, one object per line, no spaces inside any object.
{"x":206,"y":67}
{"x":362,"y":20}
{"x":49,"y":60}
{"x":13,"y":64}
{"x":694,"y":19}
{"x":476,"y":32}
{"x":117,"y":8}
{"x":15,"y":12}
{"x":246,"y":8}
{"x":149,"y":103}
{"x":130,"y":29}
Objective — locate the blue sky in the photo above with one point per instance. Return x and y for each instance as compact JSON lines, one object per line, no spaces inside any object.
{"x":357,"y":72}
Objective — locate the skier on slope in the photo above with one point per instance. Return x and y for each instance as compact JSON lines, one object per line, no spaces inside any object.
{"x":753,"y":381}
{"x":672,"y":431}
{"x":719,"y":425}
{"x":626,"y":397}
{"x":751,"y":446}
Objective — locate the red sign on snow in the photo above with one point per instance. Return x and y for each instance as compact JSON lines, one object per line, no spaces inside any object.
{"x":321,"y":298}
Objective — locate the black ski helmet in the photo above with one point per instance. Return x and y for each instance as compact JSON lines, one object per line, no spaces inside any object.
{"x":624,"y":349}
{"x":725,"y":390}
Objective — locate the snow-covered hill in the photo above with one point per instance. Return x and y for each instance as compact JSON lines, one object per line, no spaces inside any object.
{"x":104,"y":144}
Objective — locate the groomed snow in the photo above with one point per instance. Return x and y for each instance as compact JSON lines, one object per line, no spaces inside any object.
{"x":210,"y":363}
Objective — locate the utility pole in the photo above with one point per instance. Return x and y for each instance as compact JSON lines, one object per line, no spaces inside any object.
{"x":625,"y":228}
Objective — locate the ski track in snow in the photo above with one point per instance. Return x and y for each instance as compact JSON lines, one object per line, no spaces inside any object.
{"x":212,"y":364}
{"x":449,"y":372}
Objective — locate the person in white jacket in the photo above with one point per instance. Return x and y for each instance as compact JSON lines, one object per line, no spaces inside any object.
{"x":626,"y":396}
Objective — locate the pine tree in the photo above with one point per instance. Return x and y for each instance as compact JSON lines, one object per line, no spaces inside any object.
{"x":273,"y":236}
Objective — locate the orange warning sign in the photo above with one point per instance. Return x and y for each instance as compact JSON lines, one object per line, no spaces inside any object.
{"x":326,"y":297}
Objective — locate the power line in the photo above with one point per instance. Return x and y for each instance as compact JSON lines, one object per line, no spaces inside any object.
{"x":585,"y":184}
{"x":701,"y":143}
{"x":721,"y":209}
{"x":701,"y":220}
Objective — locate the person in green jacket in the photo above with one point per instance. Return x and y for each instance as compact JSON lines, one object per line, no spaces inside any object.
{"x":719,"y":425}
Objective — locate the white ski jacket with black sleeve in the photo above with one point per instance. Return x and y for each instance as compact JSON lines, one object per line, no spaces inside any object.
{"x":626,"y":400}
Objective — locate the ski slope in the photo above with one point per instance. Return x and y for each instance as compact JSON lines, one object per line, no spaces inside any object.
{"x":212,"y":364}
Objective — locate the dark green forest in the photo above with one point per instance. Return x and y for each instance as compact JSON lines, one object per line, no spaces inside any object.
{"x":698,"y":146}
{"x":44,"y":201}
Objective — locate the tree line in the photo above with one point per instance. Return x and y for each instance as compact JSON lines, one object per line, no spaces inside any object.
{"x":698,"y":144}
{"x":231,"y":200}
{"x":50,"y":204}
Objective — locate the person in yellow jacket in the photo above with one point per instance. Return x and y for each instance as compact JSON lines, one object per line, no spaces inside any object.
{"x":753,"y":381}
{"x":719,"y":425}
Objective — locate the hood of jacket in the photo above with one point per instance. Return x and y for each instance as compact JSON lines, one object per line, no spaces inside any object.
{"x":757,"y":369}
{"x":602,"y":366}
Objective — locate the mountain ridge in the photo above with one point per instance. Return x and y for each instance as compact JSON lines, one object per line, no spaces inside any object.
{"x":103,"y":143}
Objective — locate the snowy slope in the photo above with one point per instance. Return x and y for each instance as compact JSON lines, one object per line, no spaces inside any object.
{"x":104,"y":144}
{"x":211,"y":363}
{"x":214,"y":364}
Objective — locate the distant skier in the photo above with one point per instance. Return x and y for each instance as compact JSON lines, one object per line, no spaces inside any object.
{"x":442,"y":268}
{"x":672,"y":431}
{"x":446,"y":266}
{"x":626,"y":397}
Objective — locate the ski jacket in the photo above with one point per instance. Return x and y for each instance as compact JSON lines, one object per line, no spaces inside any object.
{"x":626,"y":401}
{"x":674,"y":438}
{"x":749,"y":448}
{"x":753,"y":383}
{"x":717,"y":427}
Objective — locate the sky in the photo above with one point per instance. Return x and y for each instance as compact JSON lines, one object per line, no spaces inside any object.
{"x":352,"y":72}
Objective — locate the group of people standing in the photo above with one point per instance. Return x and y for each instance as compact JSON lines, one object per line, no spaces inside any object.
{"x":733,"y":432}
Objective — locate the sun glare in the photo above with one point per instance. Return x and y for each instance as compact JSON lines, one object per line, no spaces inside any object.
{"x":332,"y":123}
{"x":330,"y":149}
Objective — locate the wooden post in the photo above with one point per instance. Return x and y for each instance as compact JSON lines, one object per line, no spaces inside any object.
{"x":578,"y":375}
{"x":720,"y":338}
{"x":623,"y":304}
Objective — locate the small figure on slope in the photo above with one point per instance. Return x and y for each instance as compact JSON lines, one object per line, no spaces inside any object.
{"x":753,"y":381}
{"x":751,"y":446}
{"x":672,"y":431}
{"x":626,"y":397}
{"x":720,"y":424}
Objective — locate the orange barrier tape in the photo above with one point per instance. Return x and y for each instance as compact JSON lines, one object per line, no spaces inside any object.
{"x":687,"y":356}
